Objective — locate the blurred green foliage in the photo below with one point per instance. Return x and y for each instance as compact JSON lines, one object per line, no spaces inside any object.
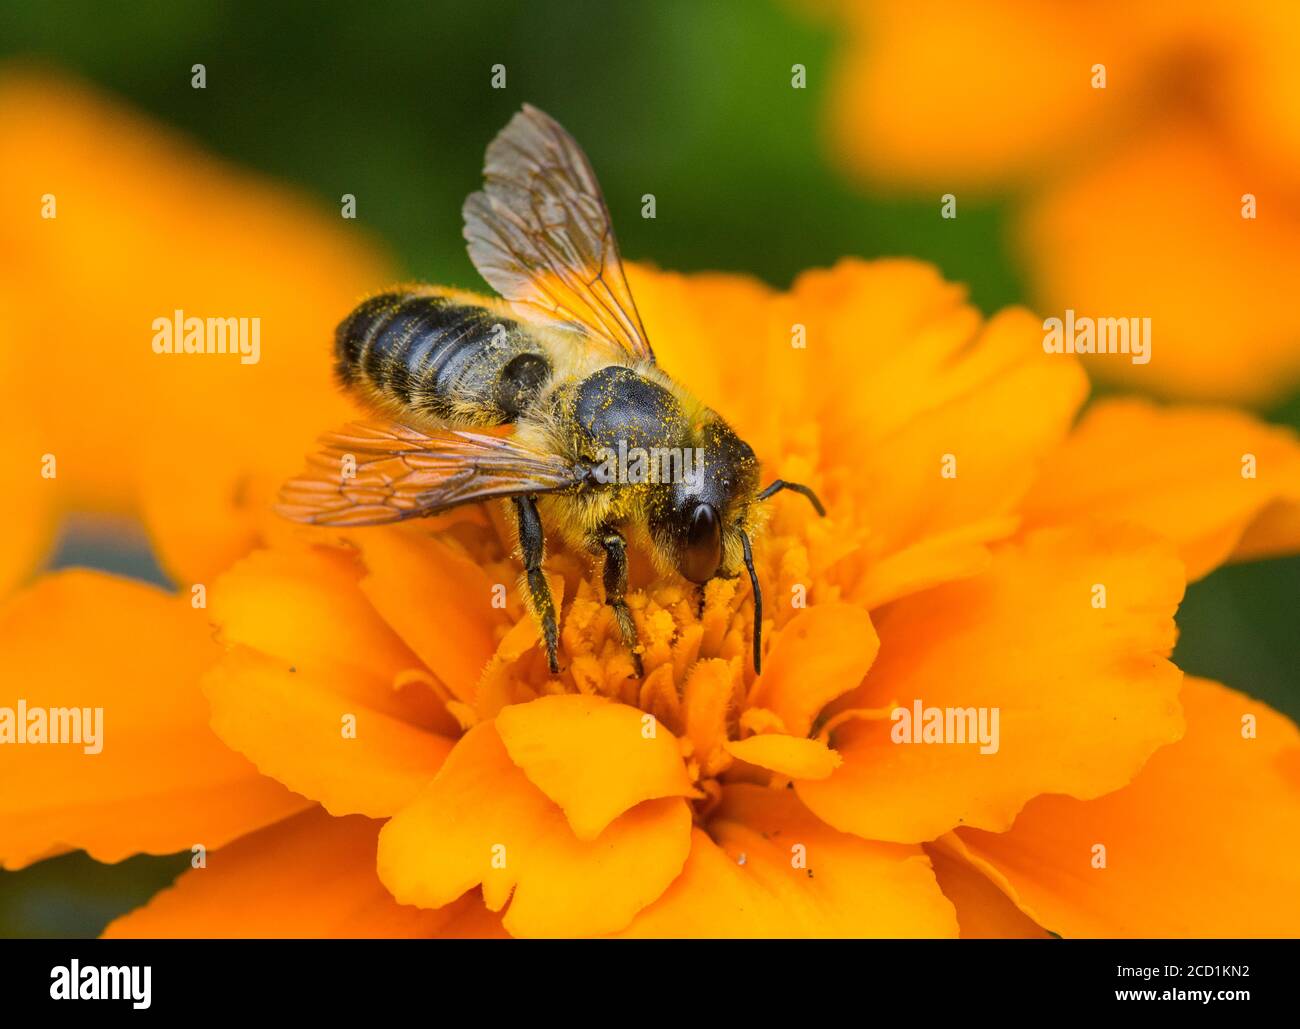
{"x":687,"y":99}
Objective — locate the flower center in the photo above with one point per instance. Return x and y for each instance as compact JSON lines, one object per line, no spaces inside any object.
{"x":694,"y":642}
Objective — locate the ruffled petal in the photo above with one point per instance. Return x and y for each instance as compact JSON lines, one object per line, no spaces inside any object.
{"x":313,"y":729}
{"x":483,"y":822}
{"x":1082,"y":694}
{"x":438,"y":600}
{"x":309,"y":877}
{"x":1187,"y":480}
{"x":820,"y":654}
{"x":310,"y":689}
{"x":1201,"y":844}
{"x":795,"y":757}
{"x":938,"y":470}
{"x":768,"y":868}
{"x":161,"y":780}
{"x":984,"y":912}
{"x":304,"y":606}
{"x":592,"y":757}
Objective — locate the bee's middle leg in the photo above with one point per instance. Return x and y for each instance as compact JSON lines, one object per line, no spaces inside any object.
{"x":531,"y":545}
{"x":615,"y":547}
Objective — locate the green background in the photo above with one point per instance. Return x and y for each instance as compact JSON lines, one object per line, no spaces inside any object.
{"x":686,"y":99}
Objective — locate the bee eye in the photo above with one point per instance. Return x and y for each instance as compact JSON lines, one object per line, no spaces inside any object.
{"x":702,"y":552}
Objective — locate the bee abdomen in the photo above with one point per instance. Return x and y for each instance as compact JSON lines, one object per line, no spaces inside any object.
{"x":438,"y":356}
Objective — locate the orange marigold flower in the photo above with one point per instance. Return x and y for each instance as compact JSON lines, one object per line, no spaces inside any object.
{"x":388,"y":754}
{"x":1136,"y":188}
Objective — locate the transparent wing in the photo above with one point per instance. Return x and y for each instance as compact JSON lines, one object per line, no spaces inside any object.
{"x":540,"y":234}
{"x":372,"y":473}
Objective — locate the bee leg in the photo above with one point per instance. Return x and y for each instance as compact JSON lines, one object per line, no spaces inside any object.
{"x":531,"y":544}
{"x":615,"y":547}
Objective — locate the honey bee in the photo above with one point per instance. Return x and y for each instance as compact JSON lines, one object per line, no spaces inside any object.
{"x":526,"y":398}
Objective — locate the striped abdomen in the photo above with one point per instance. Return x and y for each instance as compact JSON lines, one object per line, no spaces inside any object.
{"x":440,"y":357}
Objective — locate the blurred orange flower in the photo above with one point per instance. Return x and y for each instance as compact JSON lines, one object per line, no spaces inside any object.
{"x":1135,"y":192}
{"x":387,"y":753}
{"x":145,"y":224}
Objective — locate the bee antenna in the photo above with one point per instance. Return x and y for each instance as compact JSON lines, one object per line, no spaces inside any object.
{"x":794,"y":487}
{"x":758,"y":603}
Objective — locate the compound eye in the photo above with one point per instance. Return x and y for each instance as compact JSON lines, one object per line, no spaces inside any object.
{"x":702,"y":553}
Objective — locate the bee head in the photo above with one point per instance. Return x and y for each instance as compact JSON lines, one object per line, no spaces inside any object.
{"x":698,"y":520}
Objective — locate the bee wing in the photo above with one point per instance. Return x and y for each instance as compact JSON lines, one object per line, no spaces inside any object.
{"x":540,"y":234}
{"x":403,"y":473}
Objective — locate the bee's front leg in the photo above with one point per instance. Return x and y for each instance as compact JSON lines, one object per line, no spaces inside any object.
{"x":615,"y":547}
{"x":532,"y":545}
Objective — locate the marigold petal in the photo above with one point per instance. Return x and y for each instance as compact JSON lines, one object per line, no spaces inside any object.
{"x":437,"y":599}
{"x":684,"y":314}
{"x":936,"y":472}
{"x":707,"y":701}
{"x":768,"y":868}
{"x":795,"y":757}
{"x":592,"y":757}
{"x":1083,"y":695}
{"x":311,"y":876}
{"x":314,"y":729}
{"x":821,"y":653}
{"x":932,"y":562}
{"x":984,"y":912}
{"x":163,"y":781}
{"x":306,"y":607}
{"x":1180,"y":472}
{"x":1202,"y":843}
{"x":482,"y":821}
{"x":993,"y":400}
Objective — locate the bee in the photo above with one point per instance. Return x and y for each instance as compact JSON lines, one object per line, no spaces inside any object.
{"x":526,"y":398}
